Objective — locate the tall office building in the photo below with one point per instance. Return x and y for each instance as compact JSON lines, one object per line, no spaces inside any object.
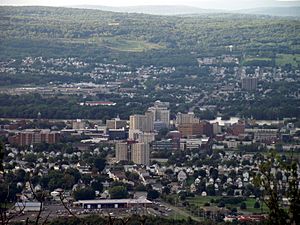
{"x":146,"y":138}
{"x":140,"y":153}
{"x":144,"y":123}
{"x":149,"y":125}
{"x":161,"y":112}
{"x":135,"y":122}
{"x":159,"y":104}
{"x":184,"y":118}
{"x":122,"y":151}
{"x":216,"y":128}
{"x":133,"y":134}
{"x":249,"y":83}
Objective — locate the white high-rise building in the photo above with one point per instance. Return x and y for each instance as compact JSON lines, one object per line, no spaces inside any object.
{"x":249,"y":83}
{"x":161,"y":112}
{"x":146,"y":138}
{"x":144,"y":123}
{"x":184,"y":118}
{"x":122,"y":151}
{"x":133,"y":134}
{"x":140,"y":153}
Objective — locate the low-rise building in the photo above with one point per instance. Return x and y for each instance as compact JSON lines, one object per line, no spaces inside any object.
{"x":113,"y":203}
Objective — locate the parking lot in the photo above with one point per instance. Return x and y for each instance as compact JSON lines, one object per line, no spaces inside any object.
{"x":55,"y":210}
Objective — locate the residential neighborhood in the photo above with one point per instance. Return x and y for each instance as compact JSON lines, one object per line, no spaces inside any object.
{"x":175,"y":162}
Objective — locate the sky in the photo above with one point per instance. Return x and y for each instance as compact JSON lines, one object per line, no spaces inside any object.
{"x":216,"y":4}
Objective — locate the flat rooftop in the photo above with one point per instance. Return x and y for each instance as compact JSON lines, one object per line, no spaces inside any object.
{"x":114,"y":201}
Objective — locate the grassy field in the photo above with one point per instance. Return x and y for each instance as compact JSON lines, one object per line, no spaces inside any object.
{"x":280,"y":60}
{"x":200,"y":201}
{"x":177,"y":216}
{"x":131,"y":45}
{"x":284,"y":59}
{"x":110,"y":42}
{"x":250,"y":206}
{"x":255,"y":60}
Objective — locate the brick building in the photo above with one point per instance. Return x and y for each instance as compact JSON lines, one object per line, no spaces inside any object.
{"x":30,"y":137}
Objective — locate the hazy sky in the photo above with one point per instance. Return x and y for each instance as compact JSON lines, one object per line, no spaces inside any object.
{"x":224,"y":4}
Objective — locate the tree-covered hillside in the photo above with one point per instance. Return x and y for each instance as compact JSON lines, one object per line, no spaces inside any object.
{"x":138,"y":38}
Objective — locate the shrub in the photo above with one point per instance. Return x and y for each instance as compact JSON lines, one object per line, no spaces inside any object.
{"x":256,"y":205}
{"x":243,"y":205}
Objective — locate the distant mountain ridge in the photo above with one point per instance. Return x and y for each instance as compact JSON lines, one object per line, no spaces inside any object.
{"x":153,"y":9}
{"x":190,"y":10}
{"x":273,"y":11}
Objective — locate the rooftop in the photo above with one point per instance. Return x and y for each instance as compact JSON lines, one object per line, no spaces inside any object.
{"x":114,"y":201}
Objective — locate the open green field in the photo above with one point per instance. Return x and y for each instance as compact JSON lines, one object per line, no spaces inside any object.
{"x":131,"y":45}
{"x":112,"y":43}
{"x":284,"y":59}
{"x":280,"y":60}
{"x":250,"y":59}
{"x":200,"y":201}
{"x":259,"y":61}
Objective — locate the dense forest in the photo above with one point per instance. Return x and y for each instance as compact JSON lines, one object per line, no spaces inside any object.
{"x":138,"y":38}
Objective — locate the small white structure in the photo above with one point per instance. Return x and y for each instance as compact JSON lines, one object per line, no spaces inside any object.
{"x":28,"y":206}
{"x":55,"y":195}
{"x":181,"y":176}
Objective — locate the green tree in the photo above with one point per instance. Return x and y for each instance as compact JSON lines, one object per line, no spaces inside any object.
{"x":272,"y":193}
{"x":73,"y":172}
{"x":256,"y":205}
{"x":152,"y":194}
{"x":84,"y":194}
{"x":210,"y":189}
{"x":117,"y":192}
{"x":68,"y":181}
{"x":97,"y":185}
{"x":243,"y":205}
{"x":100,"y":163}
{"x":31,"y":158}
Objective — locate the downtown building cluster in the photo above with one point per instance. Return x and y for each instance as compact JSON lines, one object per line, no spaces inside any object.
{"x":142,"y":131}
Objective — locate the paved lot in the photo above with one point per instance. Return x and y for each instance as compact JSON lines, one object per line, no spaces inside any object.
{"x":58,"y":210}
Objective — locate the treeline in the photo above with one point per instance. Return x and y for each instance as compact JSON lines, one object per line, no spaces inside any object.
{"x":277,"y":105}
{"x":37,"y":79}
{"x":268,"y":109}
{"x":30,"y":105}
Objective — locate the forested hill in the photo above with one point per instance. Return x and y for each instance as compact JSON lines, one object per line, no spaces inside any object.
{"x":153,"y":9}
{"x":139,"y":38}
{"x":273,"y":11}
{"x":290,"y":11}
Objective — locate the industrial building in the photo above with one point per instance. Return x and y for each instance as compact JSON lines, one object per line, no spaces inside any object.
{"x":113,"y":203}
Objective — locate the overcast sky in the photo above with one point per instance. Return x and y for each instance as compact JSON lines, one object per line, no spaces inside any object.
{"x":217,"y":4}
